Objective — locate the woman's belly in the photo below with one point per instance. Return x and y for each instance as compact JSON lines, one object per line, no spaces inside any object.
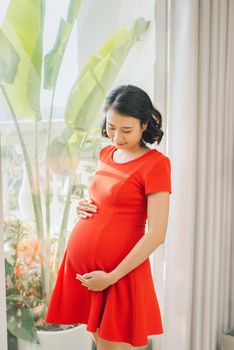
{"x":101,"y":244}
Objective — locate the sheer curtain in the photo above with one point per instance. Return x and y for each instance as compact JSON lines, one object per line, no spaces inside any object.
{"x":199,"y":251}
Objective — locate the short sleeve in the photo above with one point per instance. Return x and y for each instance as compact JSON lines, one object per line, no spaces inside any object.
{"x":158,"y":177}
{"x":103,"y":151}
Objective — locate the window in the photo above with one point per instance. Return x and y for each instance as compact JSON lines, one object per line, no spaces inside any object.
{"x":68,"y":170}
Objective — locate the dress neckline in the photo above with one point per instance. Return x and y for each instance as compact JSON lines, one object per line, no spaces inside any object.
{"x":129,"y":161}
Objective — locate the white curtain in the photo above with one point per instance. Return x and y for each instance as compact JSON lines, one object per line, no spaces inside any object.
{"x":199,"y":250}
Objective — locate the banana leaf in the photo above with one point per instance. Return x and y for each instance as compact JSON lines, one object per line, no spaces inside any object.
{"x":89,"y":90}
{"x":9,"y":60}
{"x":23,"y":26}
{"x":88,"y":93}
{"x":62,"y":157}
{"x":53,"y":59}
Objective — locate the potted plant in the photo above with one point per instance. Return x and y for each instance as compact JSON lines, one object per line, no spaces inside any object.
{"x":25,"y":308}
{"x":21,"y":53}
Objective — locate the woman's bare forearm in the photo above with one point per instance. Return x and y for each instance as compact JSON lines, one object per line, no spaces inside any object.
{"x":140,"y":252}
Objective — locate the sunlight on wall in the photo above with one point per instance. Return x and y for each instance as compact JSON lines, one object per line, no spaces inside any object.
{"x":4,"y":4}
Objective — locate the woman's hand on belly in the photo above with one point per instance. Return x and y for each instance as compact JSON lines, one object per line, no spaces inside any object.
{"x":84,"y":207}
{"x":96,"y":280}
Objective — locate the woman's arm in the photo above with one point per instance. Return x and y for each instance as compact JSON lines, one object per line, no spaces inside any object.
{"x":157,"y":215}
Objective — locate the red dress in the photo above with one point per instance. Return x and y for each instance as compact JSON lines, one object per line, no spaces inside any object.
{"x":128,"y":310}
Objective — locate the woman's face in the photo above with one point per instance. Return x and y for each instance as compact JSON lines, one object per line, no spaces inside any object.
{"x":123,"y":130}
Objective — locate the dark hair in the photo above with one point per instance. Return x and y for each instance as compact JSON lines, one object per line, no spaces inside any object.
{"x":133,"y":101}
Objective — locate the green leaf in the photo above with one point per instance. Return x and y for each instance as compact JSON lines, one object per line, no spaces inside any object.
{"x":53,"y":59}
{"x":89,"y":65}
{"x":73,"y":10}
{"x":88,"y":93}
{"x":139,"y":26}
{"x":99,"y":73}
{"x":9,"y":271}
{"x":9,"y":60}
{"x":23,"y":26}
{"x":118,"y":39}
{"x":20,"y":322}
{"x":13,"y":299}
{"x":62,"y":156}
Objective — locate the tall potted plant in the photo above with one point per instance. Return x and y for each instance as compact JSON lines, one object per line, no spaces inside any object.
{"x":21,"y":81}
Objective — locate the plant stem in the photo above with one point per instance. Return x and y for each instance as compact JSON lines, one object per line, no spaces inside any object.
{"x":37,"y":213}
{"x":50,"y":277}
{"x":63,"y":227}
{"x":34,"y":190}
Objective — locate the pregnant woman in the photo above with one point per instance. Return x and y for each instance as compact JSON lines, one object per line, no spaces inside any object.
{"x":105,"y":279}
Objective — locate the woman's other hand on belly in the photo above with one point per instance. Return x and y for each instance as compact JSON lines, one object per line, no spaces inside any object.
{"x":96,"y":280}
{"x":84,"y":207}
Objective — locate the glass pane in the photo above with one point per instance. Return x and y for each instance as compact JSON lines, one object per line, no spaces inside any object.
{"x":51,"y":110}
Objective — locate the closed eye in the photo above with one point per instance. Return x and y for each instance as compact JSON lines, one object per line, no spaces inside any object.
{"x":126,"y":132}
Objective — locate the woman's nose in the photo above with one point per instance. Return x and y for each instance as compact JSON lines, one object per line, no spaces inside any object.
{"x":118,"y":138}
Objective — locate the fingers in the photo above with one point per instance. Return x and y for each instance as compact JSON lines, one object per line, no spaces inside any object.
{"x":83,"y":214}
{"x":79,"y":277}
{"x":84,"y":207}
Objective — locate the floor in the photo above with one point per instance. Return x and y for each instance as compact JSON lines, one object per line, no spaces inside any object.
{"x":149,"y":346}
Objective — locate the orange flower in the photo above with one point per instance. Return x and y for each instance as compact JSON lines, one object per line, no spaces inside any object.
{"x":19,"y":269}
{"x":36,"y":246}
{"x":29,"y":251}
{"x":22,"y":248}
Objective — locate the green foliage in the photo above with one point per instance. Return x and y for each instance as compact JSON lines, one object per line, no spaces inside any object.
{"x":23,"y":27}
{"x":22,"y":288}
{"x":53,"y":59}
{"x":9,"y":60}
